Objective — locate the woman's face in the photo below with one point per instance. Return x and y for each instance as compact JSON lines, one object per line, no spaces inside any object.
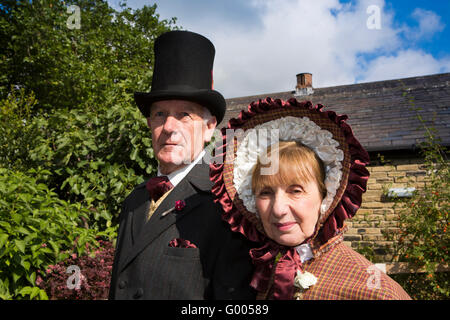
{"x":289,"y":213}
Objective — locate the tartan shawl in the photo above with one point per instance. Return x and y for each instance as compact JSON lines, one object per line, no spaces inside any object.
{"x":343,"y":274}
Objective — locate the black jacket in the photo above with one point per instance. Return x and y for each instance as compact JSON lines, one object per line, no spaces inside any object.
{"x":145,"y":267}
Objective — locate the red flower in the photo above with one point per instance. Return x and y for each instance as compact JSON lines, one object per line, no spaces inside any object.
{"x":179,"y":205}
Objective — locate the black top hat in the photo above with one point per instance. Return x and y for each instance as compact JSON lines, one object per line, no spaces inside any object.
{"x":183,"y":70}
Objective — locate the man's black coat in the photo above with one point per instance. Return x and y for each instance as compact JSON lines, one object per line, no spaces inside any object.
{"x":145,"y":267}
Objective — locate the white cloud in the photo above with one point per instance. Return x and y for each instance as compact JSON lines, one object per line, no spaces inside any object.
{"x":407,"y":63}
{"x":273,"y":40}
{"x":321,"y":37}
{"x":429,"y":24}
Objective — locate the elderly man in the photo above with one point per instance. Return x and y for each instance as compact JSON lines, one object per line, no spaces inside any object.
{"x":172,"y":242}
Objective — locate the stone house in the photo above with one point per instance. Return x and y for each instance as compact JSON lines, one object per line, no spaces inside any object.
{"x":384,"y":118}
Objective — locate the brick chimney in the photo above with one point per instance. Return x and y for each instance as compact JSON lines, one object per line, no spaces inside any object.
{"x":304,"y":85}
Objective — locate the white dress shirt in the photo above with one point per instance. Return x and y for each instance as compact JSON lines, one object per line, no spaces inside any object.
{"x":178,"y":175}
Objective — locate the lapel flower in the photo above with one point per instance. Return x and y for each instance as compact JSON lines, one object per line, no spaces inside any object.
{"x":304,"y":280}
{"x":179,"y":205}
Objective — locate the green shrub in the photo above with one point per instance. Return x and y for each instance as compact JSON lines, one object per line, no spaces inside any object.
{"x":422,"y":238}
{"x":36,"y":229}
{"x":419,"y":286}
{"x":93,"y":158}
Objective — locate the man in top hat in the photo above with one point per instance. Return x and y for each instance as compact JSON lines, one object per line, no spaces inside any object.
{"x":172,"y":242}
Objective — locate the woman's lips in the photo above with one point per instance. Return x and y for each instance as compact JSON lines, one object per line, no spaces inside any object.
{"x":284,"y":226}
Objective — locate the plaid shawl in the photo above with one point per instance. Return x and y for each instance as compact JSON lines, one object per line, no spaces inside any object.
{"x":343,"y":274}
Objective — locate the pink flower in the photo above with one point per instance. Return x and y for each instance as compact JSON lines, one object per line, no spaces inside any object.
{"x":39,"y":281}
{"x":44,"y":245}
{"x":179,"y":205}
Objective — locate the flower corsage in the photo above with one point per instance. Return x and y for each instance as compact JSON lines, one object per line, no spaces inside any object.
{"x":304,"y":280}
{"x":179,"y":205}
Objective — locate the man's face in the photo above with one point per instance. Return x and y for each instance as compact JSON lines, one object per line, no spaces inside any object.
{"x":179,"y":132}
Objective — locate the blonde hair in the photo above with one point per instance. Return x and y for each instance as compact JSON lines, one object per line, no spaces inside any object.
{"x":297,"y":164}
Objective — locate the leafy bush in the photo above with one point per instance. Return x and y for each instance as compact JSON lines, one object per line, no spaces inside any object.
{"x":36,"y":229}
{"x":73,"y":143}
{"x":68,"y":103}
{"x":422,"y":237}
{"x":419,"y":286}
{"x":95,"y":158}
{"x":90,"y":279}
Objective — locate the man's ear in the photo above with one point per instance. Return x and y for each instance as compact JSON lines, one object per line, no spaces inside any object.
{"x":210,"y":126}
{"x":148,"y":122}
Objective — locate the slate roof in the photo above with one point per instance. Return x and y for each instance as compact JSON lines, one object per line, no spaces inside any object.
{"x":381,"y":113}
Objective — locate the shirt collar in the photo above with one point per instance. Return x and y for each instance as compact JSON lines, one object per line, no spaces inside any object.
{"x":178,"y":175}
{"x":305,"y":252}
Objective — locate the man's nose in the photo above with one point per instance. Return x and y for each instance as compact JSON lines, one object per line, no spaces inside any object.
{"x":280,"y":204}
{"x":170,"y":124}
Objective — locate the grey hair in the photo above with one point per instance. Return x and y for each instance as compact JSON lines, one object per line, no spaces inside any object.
{"x":206,"y":115}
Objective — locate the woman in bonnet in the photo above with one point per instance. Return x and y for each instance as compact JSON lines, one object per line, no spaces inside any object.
{"x":291,"y":175}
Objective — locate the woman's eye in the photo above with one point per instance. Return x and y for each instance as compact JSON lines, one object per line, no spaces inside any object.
{"x":297,"y":190}
{"x":263,"y":193}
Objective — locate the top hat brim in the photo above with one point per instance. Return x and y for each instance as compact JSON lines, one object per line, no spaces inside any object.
{"x":208,"y":98}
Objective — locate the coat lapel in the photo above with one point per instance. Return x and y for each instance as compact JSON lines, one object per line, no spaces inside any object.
{"x":146,"y":232}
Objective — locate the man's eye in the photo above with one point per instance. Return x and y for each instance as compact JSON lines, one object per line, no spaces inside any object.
{"x":159,"y":114}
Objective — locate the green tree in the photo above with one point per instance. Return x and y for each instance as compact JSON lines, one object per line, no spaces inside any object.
{"x":67,"y":97}
{"x":71,"y":68}
{"x":73,"y":143}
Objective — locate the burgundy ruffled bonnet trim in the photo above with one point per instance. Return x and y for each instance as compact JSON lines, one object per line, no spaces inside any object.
{"x":332,"y":223}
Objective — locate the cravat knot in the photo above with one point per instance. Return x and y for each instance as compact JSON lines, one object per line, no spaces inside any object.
{"x":158,"y":186}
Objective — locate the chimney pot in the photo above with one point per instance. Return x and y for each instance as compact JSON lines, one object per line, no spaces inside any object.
{"x":304,"y":84}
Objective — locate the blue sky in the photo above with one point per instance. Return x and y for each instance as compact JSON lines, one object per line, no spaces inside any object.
{"x":262,"y":44}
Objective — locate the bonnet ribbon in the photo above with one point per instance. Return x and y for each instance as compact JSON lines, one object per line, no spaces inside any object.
{"x":285,"y":270}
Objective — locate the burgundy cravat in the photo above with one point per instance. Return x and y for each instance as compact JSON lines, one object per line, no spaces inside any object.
{"x":157,"y":186}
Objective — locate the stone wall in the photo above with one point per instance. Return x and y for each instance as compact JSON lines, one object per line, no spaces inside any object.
{"x":377,"y":212}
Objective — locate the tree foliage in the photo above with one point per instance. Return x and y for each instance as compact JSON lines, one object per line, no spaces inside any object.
{"x":68,"y":121}
{"x":422,"y":237}
{"x":72,"y":68}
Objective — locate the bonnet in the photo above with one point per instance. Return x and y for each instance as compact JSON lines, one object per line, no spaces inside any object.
{"x":245,"y":139}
